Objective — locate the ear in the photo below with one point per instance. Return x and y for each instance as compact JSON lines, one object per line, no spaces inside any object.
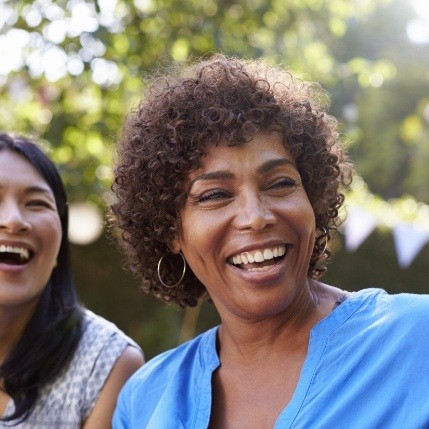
{"x":174,"y":245}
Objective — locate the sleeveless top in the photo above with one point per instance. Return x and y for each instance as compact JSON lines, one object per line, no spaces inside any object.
{"x":67,"y":401}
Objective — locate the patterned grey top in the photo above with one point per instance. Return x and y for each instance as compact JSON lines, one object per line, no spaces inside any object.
{"x":68,"y":401}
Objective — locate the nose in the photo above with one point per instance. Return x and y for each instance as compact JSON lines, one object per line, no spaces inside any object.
{"x":12,"y":219}
{"x":254,"y":213}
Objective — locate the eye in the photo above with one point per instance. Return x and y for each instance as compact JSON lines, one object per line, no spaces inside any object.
{"x":283,"y":183}
{"x":39,"y":203}
{"x":212,"y":195}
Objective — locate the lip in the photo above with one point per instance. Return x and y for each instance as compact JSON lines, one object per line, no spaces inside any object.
{"x":13,"y":269}
{"x":271,"y":275}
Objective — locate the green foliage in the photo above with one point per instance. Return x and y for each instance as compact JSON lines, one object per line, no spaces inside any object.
{"x":387,"y":82}
{"x":71,"y":69}
{"x":76,"y":66}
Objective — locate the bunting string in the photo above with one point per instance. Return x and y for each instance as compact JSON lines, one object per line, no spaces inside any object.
{"x":406,"y":218}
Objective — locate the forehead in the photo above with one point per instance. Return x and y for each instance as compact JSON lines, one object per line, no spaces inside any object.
{"x":16,"y":169}
{"x":263,"y":147}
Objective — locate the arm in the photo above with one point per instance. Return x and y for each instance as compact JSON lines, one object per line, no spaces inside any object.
{"x":101,"y":416}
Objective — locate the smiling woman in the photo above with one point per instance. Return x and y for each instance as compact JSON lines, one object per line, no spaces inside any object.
{"x":229,"y":183}
{"x":245,"y":203}
{"x":60,"y":365}
{"x":27,"y":260}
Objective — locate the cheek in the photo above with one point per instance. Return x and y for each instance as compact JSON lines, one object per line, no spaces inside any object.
{"x":307,"y":222}
{"x":197,"y":230}
{"x":300,"y":212}
{"x":56,"y":236}
{"x":199,"y":243}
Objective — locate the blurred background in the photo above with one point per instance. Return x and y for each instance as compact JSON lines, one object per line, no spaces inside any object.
{"x":70,"y":70}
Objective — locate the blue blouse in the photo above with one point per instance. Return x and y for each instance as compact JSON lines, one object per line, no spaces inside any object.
{"x":367,"y":367}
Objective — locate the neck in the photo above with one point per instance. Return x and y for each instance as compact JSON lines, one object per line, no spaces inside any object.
{"x":287,"y":331}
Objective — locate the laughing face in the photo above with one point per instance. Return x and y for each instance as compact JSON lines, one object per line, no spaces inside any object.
{"x":30,"y":232}
{"x":248,"y":228}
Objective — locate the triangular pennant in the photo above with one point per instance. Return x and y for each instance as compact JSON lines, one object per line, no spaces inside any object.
{"x":409,"y":240}
{"x":357,"y":227}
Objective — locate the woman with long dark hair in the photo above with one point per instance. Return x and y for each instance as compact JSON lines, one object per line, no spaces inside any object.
{"x":61,"y":366}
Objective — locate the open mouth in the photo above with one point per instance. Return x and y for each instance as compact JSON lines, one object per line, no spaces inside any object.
{"x":259,"y":259}
{"x":11,"y":255}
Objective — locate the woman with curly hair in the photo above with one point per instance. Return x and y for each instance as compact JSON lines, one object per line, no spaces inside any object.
{"x":229,"y":183}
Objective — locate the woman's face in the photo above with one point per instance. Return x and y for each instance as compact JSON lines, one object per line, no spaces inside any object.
{"x":248,"y":228}
{"x":30,"y":232}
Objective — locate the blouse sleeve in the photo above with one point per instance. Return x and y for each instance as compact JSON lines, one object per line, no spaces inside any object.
{"x":103,"y":343}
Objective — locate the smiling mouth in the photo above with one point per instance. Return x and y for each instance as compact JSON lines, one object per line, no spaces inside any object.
{"x":260,"y":259}
{"x":11,"y":255}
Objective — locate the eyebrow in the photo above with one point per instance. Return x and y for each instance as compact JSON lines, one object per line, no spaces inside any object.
{"x":34,"y":190}
{"x":215,"y":175}
{"x":40,"y":190}
{"x":269,"y":165}
{"x":224,"y":174}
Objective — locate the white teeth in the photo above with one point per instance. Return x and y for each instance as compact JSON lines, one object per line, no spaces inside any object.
{"x":268,"y":254}
{"x":259,"y":255}
{"x":24,"y":253}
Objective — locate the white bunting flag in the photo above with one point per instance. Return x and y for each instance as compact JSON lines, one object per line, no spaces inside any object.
{"x":358,"y":226}
{"x":409,"y":240}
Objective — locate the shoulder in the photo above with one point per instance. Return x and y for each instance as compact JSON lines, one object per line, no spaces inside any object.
{"x":175,"y":376}
{"x":92,"y":322}
{"x":406,"y":311}
{"x":101,"y":414}
{"x":385,"y":328}
{"x":128,"y":362}
{"x":104,"y":360}
{"x":191,"y":356}
{"x":102,"y":331}
{"x":101,"y":347}
{"x":401,"y":304}
{"x":409,"y":307}
{"x":379,"y":298}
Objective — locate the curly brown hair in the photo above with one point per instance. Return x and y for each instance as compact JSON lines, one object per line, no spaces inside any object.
{"x":185,"y":111}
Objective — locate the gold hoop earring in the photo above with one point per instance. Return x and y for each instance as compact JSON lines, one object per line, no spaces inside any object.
{"x":181,"y":277}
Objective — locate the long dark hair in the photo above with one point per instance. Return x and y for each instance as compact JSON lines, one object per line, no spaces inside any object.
{"x":53,"y":332}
